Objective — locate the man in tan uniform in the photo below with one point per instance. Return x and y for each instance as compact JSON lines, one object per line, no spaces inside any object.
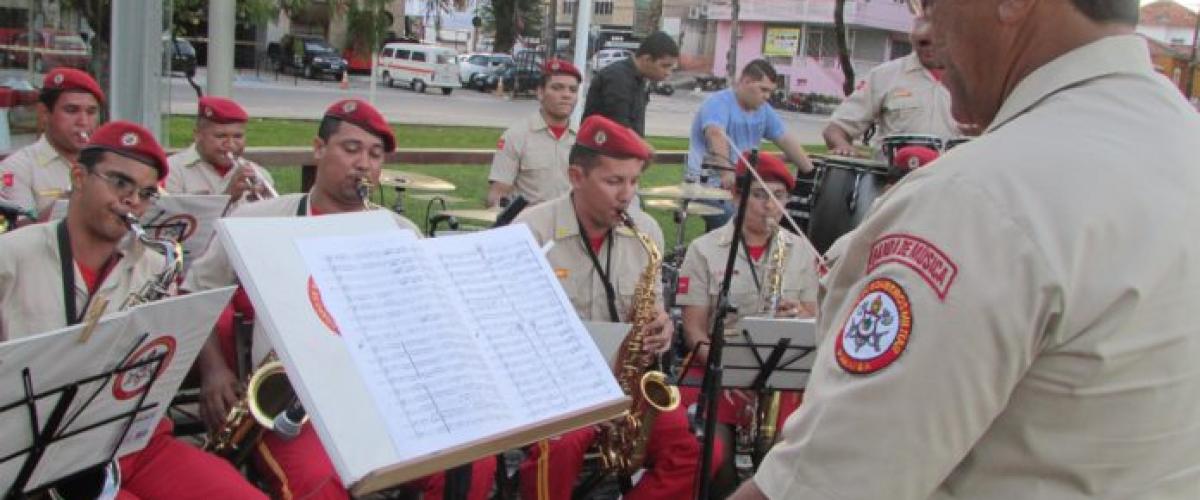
{"x":350,"y":146}
{"x":206,"y":166}
{"x":118,"y":172}
{"x":599,"y":262}
{"x":998,"y":328}
{"x":531,"y":157}
{"x":36,"y":175}
{"x":902,"y":96}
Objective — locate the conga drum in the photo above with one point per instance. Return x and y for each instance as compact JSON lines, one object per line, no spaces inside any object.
{"x":844,"y":191}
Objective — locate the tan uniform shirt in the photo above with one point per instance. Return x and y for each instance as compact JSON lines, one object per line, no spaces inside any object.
{"x":704,"y":269}
{"x":903,"y":98}
{"x":39,"y":176}
{"x":192,"y":175}
{"x":531,"y":160}
{"x":1030,"y":338}
{"x":555,"y":221}
{"x":213,"y":269}
{"x":31,"y":293}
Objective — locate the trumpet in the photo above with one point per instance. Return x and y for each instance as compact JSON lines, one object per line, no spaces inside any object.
{"x":255,"y":183}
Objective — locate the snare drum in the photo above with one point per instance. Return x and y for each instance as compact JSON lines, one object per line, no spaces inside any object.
{"x":844,"y":191}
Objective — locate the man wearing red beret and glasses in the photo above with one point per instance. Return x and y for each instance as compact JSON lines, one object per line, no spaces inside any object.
{"x":531,"y":157}
{"x":349,"y":150}
{"x":704,"y":269}
{"x":34,"y":176}
{"x":117,"y":174}
{"x":214,"y":164}
{"x":599,"y":262}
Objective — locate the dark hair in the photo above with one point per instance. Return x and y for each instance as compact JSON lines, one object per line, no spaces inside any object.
{"x":587,"y":157}
{"x":329,"y":126}
{"x":759,"y":69}
{"x":90,"y":157}
{"x":49,"y":97}
{"x":1119,"y":11}
{"x":658,"y":45}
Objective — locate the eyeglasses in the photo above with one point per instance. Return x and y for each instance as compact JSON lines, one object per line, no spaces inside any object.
{"x":761,"y":194}
{"x":124,"y":186}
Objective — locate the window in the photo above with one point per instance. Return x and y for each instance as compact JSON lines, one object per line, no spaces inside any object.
{"x":602,"y":8}
{"x":388,"y":52}
{"x":401,"y":54}
{"x":418,"y":56}
{"x":568,"y":7}
{"x":445,"y":58}
{"x":477,"y":60}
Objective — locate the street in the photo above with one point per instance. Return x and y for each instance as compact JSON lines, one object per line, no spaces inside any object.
{"x":289,"y":97}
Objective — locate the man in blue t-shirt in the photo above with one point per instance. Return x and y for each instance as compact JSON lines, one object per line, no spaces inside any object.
{"x":742,"y":115}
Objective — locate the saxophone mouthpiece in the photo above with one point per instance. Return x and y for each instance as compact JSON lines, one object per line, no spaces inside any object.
{"x":84,"y":135}
{"x":129,"y":219}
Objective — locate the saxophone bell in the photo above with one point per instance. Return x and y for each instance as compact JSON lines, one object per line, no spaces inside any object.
{"x":267,"y":406}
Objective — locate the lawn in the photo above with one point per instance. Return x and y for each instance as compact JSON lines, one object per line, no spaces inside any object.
{"x":471,"y":183}
{"x":279,"y":132}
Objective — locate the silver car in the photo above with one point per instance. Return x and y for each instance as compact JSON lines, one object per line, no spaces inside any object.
{"x":474,"y":67}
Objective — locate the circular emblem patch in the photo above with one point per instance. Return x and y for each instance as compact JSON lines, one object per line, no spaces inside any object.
{"x":601,"y":138}
{"x":877,"y":330}
{"x":58,"y":79}
{"x":208,"y":112}
{"x":349,"y":107}
{"x":129,"y":139}
{"x":554,"y":66}
{"x":132,"y":383}
{"x":913,"y":162}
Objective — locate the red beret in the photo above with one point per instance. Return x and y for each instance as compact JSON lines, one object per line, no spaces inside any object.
{"x":130,"y":140}
{"x":771,"y":168}
{"x":72,"y":79}
{"x":610,"y":138}
{"x":561,"y":67}
{"x":363,"y":114}
{"x":910,"y":158}
{"x":222,"y":110}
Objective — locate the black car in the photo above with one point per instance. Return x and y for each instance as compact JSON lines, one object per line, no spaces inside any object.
{"x":516,"y":78}
{"x":310,"y":55}
{"x":183,"y":56}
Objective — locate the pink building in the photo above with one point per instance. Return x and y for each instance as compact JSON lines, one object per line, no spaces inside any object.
{"x":796,"y":36}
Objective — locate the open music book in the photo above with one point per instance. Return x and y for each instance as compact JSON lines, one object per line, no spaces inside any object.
{"x":413,"y":356}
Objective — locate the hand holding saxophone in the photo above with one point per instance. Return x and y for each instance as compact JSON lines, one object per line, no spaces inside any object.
{"x":659,"y":333}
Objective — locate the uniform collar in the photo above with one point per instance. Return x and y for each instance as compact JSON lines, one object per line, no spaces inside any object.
{"x":537,"y":123}
{"x":912,"y":63}
{"x":1106,"y":56}
{"x":566,"y":223}
{"x":724,"y":234}
{"x":45,"y":154}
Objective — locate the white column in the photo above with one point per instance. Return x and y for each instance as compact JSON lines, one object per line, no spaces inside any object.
{"x":222,"y":15}
{"x":136,"y":63}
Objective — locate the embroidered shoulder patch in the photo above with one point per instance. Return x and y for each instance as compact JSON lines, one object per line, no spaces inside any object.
{"x":684,"y":284}
{"x":877,"y":330}
{"x":927,"y":260}
{"x":500,"y":144}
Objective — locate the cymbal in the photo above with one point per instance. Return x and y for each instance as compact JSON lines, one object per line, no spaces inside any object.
{"x":692,"y":209}
{"x":413,"y":180}
{"x":475,"y":214}
{"x":686,"y":191}
{"x":429,"y":196}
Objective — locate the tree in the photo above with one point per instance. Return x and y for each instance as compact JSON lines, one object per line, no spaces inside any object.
{"x":509,"y":19}
{"x":367,"y":23}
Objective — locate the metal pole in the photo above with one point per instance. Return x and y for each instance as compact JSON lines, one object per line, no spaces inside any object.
{"x":222,"y":14}
{"x":583,"y":23}
{"x":136,"y":63}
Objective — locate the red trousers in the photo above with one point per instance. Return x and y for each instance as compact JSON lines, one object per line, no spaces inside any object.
{"x":300,"y":468}
{"x":170,"y":468}
{"x":552,"y":466}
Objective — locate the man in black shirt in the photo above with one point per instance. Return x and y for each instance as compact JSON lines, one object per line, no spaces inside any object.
{"x":619,"y":90}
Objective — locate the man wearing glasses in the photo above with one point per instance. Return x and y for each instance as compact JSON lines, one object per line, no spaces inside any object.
{"x":996,"y":328}
{"x":118,"y":173}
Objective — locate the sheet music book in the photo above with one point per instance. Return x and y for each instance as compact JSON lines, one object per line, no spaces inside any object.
{"x":186,"y":218}
{"x":175,"y":327}
{"x":413,"y":356}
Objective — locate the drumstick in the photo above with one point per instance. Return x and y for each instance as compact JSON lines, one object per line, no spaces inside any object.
{"x":788,"y":217}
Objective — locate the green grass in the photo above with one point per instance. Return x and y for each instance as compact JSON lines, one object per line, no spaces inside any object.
{"x":471,"y":181}
{"x":279,"y":132}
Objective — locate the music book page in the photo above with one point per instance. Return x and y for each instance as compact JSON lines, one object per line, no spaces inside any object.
{"x":448,"y":349}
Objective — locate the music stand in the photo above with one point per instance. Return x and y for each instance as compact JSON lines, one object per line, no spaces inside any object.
{"x":55,"y":429}
{"x":765,"y":355}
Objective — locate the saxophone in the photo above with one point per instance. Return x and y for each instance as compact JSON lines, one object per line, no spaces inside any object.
{"x":623,"y":443}
{"x":160,"y":286}
{"x":758,"y":437}
{"x":268,"y":393}
{"x":773,"y":292}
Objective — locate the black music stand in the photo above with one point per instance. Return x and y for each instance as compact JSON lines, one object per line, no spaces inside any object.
{"x":55,"y":429}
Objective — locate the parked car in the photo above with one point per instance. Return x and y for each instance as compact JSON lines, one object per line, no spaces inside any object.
{"x":182,"y":54}
{"x":516,"y":78}
{"x":307,"y":54}
{"x":472,"y":67}
{"x":51,"y":49}
{"x":604,"y":57}
{"x":419,"y":67}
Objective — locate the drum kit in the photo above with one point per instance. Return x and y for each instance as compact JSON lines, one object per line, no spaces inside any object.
{"x":840,"y":192}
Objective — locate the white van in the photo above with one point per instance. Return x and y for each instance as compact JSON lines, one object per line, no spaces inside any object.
{"x":419,"y":66}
